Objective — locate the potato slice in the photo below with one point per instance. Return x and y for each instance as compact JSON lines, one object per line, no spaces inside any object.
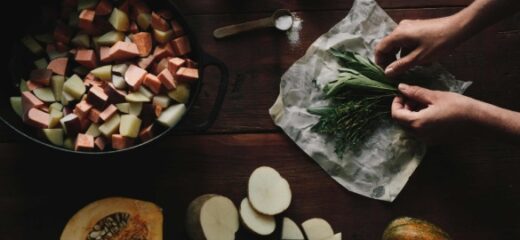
{"x":135,"y":108}
{"x":336,"y":236}
{"x":55,"y":117}
{"x":119,"y":82}
{"x":110,"y":126}
{"x":317,"y":229}
{"x":54,"y":135}
{"x":180,"y":94}
{"x":16,"y":104}
{"x":269,"y":193}
{"x":104,"y":73}
{"x":162,"y":36}
{"x":256,"y":222}
{"x":136,"y":97}
{"x":212,"y":217}
{"x":81,"y":40}
{"x":290,"y":230}
{"x":129,"y":126}
{"x":119,"y":20}
{"x":144,"y":21}
{"x":110,"y":38}
{"x":45,"y":94}
{"x":172,"y":115}
{"x":75,"y":87}
{"x":124,"y":107}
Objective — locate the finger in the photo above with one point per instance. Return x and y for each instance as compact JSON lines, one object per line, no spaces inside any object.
{"x":400,"y":113}
{"x":402,"y":64}
{"x":418,"y":94}
{"x":387,"y":49}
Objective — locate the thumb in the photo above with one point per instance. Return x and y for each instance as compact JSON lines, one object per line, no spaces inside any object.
{"x":402,"y":64}
{"x":418,"y":94}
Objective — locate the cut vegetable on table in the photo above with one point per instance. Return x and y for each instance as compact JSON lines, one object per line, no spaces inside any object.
{"x":290,"y":230}
{"x":268,"y":192}
{"x":117,"y":64}
{"x":256,"y":222}
{"x":212,"y":217}
{"x":317,"y":229}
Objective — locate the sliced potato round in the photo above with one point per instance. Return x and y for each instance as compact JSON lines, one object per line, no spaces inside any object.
{"x":269,"y":193}
{"x":258,"y":223}
{"x":212,"y":217}
{"x":317,"y":229}
{"x":291,"y":231}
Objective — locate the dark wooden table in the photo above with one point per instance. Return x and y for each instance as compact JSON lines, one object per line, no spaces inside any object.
{"x":471,"y":188}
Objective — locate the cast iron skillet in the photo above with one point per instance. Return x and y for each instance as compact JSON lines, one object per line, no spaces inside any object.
{"x":20,"y":63}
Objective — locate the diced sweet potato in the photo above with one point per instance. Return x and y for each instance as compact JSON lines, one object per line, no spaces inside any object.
{"x":187,"y":74}
{"x":86,"y":18}
{"x":147,"y":133}
{"x":159,"y":23}
{"x":30,"y":101}
{"x":100,"y":143}
{"x":93,"y":115}
{"x":91,"y":80}
{"x":119,"y":142}
{"x":84,"y":123}
{"x":114,"y":95}
{"x":153,"y":83}
{"x":143,"y":40}
{"x":37,"y":118}
{"x":62,"y":33}
{"x":181,"y":45}
{"x":82,"y":109}
{"x":86,"y":57}
{"x":160,"y":66}
{"x":133,"y":27}
{"x":163,"y":51}
{"x":191,"y":64}
{"x":41,"y":76}
{"x":134,"y":76}
{"x":108,"y":112}
{"x":167,"y":79}
{"x":177,"y":29}
{"x":31,"y":86}
{"x":84,"y":142}
{"x":175,"y":63}
{"x":58,"y":66}
{"x":144,"y":63}
{"x":97,"y":97}
{"x":104,"y":8}
{"x":104,"y":53}
{"x":122,"y":51}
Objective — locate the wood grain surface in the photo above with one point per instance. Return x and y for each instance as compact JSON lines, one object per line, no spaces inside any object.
{"x":469,"y":188}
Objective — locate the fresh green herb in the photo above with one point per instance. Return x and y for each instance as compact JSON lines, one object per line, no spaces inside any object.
{"x":360,"y":100}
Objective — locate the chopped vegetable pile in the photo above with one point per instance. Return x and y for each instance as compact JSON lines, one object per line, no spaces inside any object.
{"x":107,"y":75}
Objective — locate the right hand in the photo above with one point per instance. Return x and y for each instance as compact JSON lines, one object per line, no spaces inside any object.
{"x":420,"y":41}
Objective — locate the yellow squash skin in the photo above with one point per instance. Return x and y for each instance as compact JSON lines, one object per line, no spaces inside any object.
{"x":406,"y":228}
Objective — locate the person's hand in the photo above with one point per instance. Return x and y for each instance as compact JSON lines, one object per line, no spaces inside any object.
{"x":420,"y":41}
{"x":433,"y":116}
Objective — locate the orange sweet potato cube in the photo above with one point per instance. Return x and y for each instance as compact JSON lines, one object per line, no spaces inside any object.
{"x":119,"y":142}
{"x":175,"y":63}
{"x":84,"y":142}
{"x":37,"y":118}
{"x":58,"y":65}
{"x":86,"y":18}
{"x":163,"y":51}
{"x":188,"y":74}
{"x":167,"y":79}
{"x":143,"y":40}
{"x":153,"y":83}
{"x":134,"y":76}
{"x":181,"y":45}
{"x":86,"y":57}
{"x":122,"y":51}
{"x":144,"y":63}
{"x":41,"y":76}
{"x":159,"y":23}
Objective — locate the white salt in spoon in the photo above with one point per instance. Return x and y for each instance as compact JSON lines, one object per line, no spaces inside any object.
{"x":282,"y":19}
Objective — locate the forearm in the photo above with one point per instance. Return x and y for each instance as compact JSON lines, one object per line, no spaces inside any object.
{"x":483,"y":13}
{"x":498,"y":119}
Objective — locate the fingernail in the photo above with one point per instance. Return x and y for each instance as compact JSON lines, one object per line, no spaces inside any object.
{"x":389,"y":70}
{"x":402,"y":86}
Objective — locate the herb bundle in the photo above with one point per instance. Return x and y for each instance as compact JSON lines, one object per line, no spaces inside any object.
{"x":360,"y":100}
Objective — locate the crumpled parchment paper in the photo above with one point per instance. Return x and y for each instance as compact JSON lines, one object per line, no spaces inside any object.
{"x":384,"y":164}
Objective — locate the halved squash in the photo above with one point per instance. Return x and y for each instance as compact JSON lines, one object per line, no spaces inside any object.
{"x":116,"y":219}
{"x":407,"y":228}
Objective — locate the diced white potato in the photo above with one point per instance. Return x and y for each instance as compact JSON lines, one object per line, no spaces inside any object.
{"x":58,"y":106}
{"x":45,"y":94}
{"x":41,"y":63}
{"x":137,"y":97}
{"x":119,"y":20}
{"x":16,"y":104}
{"x":110,"y":38}
{"x":75,"y":87}
{"x":93,"y":130}
{"x":54,"y":135}
{"x":68,"y":143}
{"x":57,"y":86}
{"x":161,"y":100}
{"x":144,"y":20}
{"x":161,"y":36}
{"x":180,"y":94}
{"x":55,"y":117}
{"x":119,"y":82}
{"x":123,"y":107}
{"x":135,"y":108}
{"x":143,"y":90}
{"x":32,"y":45}
{"x":129,"y":126}
{"x":110,"y":126}
{"x":104,"y":72}
{"x":23,"y":85}
{"x":81,"y":40}
{"x":172,"y":115}
{"x":66,"y":98}
{"x":120,"y":68}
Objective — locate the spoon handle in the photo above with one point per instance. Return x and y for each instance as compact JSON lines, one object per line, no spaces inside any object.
{"x":243,"y":27}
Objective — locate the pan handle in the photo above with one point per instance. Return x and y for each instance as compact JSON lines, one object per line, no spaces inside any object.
{"x":208,"y":60}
